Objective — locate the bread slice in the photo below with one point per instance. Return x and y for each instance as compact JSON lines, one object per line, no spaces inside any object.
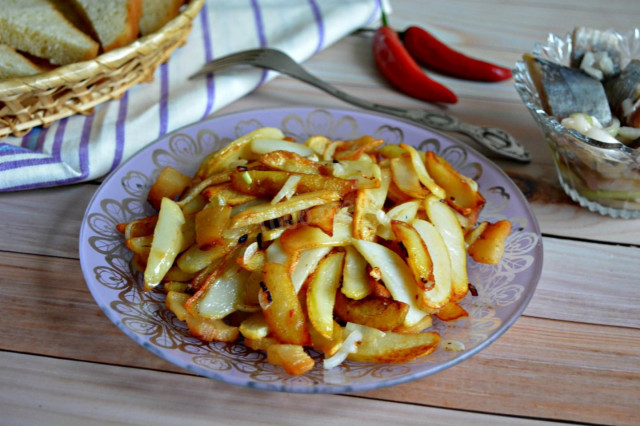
{"x":115,"y":22}
{"x":14,"y":64}
{"x":156,"y":13}
{"x":38,"y":28}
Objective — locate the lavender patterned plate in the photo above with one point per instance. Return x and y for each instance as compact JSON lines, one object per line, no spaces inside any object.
{"x":503,"y":290}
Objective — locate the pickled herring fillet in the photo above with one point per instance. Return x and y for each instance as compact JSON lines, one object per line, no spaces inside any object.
{"x":597,"y":50}
{"x":565,"y":90}
{"x":624,"y":94}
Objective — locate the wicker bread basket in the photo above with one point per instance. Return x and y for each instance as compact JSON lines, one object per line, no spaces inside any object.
{"x":27,"y":102}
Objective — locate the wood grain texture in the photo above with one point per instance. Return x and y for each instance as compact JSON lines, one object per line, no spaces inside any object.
{"x":66,"y":392}
{"x":574,"y":356}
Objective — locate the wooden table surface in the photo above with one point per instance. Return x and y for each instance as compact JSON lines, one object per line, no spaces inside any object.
{"x":574,"y":355}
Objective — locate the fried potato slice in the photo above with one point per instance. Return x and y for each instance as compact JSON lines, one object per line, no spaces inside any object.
{"x":170,"y":183}
{"x":446,"y":222}
{"x":267,"y":183}
{"x":306,"y":237}
{"x":210,"y":224}
{"x":255,"y":326}
{"x":383,"y":314}
{"x":175,"y":302}
{"x":355,"y":278}
{"x":167,"y":241}
{"x":290,"y":162}
{"x":292,"y":358}
{"x":489,"y":246}
{"x":422,"y":173}
{"x":308,"y":261}
{"x":239,"y":148}
{"x":392,"y":347}
{"x":418,"y":257}
{"x":440,"y":294}
{"x":396,"y":275}
{"x":322,"y":216}
{"x":263,"y":212}
{"x":211,"y":330}
{"x":220,"y":297}
{"x":321,"y":293}
{"x":368,"y":203}
{"x":451,"y":312}
{"x":461,"y":194}
{"x":365,"y":173}
{"x":404,"y":178}
{"x":405,"y":212}
{"x":281,"y":306}
{"x":328,"y":346}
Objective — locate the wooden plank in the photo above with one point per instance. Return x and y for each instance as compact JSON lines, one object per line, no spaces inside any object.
{"x":37,"y":390}
{"x":564,"y":371}
{"x":589,"y":283}
{"x":52,"y":313}
{"x":44,"y":221}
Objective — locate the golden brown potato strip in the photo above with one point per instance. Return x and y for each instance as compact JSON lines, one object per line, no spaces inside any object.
{"x":451,"y":312}
{"x":239,"y":148}
{"x":393,"y":347}
{"x":418,"y":257}
{"x":170,"y":183}
{"x":269,"y":183}
{"x":211,"y":330}
{"x":290,"y":162}
{"x":305,"y":237}
{"x":138,"y":227}
{"x":405,"y":178}
{"x":281,"y":306}
{"x":292,"y":357}
{"x":264,"y":212}
{"x":175,"y":302}
{"x":489,"y":246}
{"x":210,"y":224}
{"x":322,"y":216}
{"x":460,"y":194}
{"x":321,"y":293}
{"x":368,"y":203}
{"x":383,"y":314}
{"x":227,"y":195}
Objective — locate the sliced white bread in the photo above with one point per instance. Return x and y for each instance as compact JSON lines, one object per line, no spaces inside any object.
{"x":156,"y":13}
{"x":115,"y":22}
{"x":38,"y":28}
{"x":14,"y":64}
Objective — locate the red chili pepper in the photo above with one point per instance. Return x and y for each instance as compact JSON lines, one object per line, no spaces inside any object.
{"x":402,"y":71}
{"x":431,"y":52}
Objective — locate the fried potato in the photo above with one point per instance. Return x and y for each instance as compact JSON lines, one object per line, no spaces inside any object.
{"x":263,"y":212}
{"x":489,"y":246}
{"x":167,"y":240}
{"x":396,"y":275}
{"x":446,"y":222}
{"x":170,"y":183}
{"x":383,"y":314}
{"x":281,"y":307}
{"x":292,"y":357}
{"x":288,"y":161}
{"x":393,"y":347}
{"x":321,"y":293}
{"x":281,"y":244}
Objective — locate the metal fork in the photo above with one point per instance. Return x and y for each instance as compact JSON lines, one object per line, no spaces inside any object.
{"x":496,"y":140}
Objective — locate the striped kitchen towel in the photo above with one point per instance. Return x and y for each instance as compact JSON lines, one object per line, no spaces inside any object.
{"x":82,"y":148}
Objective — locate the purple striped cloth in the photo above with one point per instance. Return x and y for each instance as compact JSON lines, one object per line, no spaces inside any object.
{"x":82,"y":148}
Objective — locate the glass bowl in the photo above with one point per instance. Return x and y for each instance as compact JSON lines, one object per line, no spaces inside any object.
{"x":603,"y":177}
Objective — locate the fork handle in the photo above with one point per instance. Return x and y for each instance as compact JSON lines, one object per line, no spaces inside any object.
{"x":494,"y":139}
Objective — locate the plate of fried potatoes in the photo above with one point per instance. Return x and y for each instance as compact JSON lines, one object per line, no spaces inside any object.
{"x":310,"y":250}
